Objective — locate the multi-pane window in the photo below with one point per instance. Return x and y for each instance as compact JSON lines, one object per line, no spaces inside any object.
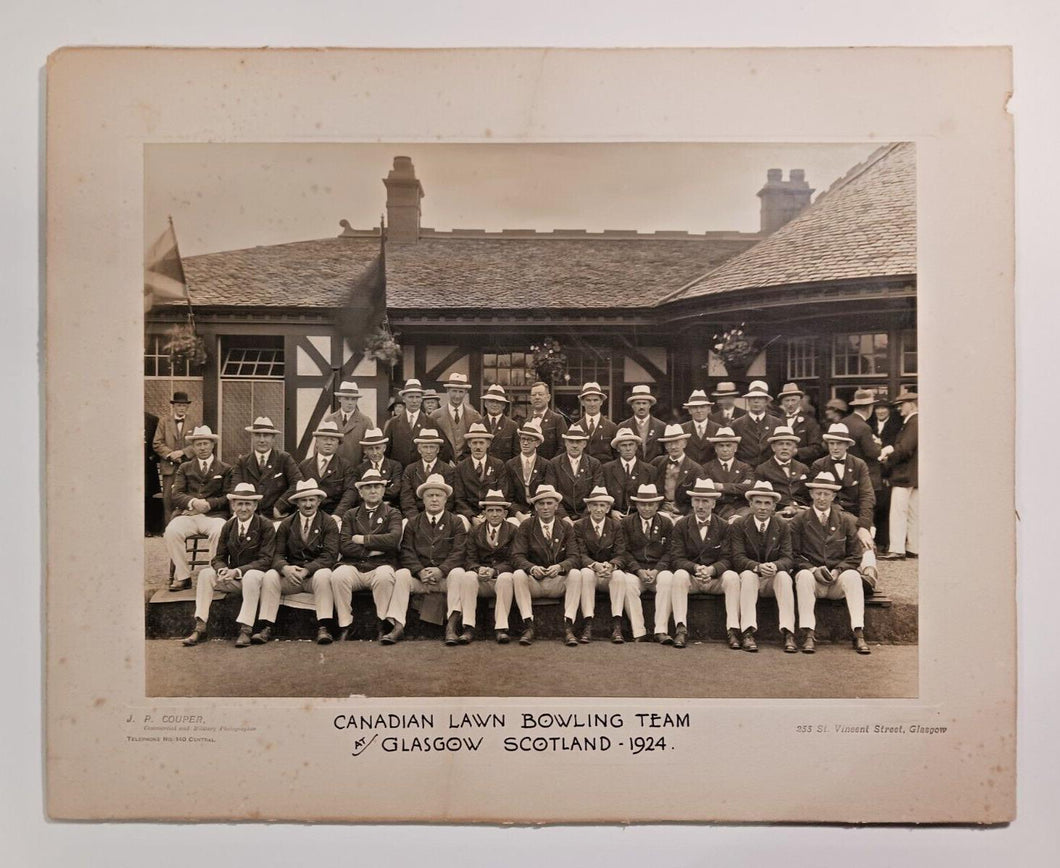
{"x":909,"y":351}
{"x":802,"y":358}
{"x":508,"y":369}
{"x":588,"y":366}
{"x":253,"y":362}
{"x":158,"y":363}
{"x":859,"y":355}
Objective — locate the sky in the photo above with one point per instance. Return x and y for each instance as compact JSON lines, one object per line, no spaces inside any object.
{"x":232,"y":196}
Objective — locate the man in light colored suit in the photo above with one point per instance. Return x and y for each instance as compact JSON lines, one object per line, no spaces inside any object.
{"x":171,"y":446}
{"x":643,"y":424}
{"x":454,"y":419}
{"x":350,"y":421}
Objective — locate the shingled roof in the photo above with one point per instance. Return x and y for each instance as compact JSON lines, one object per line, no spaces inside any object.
{"x":863,"y":226}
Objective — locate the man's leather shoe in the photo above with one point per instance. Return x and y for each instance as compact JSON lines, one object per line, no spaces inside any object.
{"x":912,"y":555}
{"x":616,"y":631}
{"x":860,"y":645}
{"x":503,"y":638}
{"x":587,"y":632}
{"x":323,"y":636}
{"x":664,"y":639}
{"x":243,"y":639}
{"x":394,"y":635}
{"x":869,"y":579}
{"x":197,"y":635}
{"x":890,"y":556}
{"x":527,"y":638}
{"x":808,"y":642}
{"x":568,"y":633}
{"x":789,"y":643}
{"x":451,"y":637}
{"x":748,"y":643}
{"x":467,"y":635}
{"x":262,"y":636}
{"x":180,"y":584}
{"x":734,"y":639}
{"x":644,"y":638}
{"x":344,"y":634}
{"x":681,"y":636}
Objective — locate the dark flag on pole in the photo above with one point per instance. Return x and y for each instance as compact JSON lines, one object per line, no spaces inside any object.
{"x":364,"y":312}
{"x":164,"y":272}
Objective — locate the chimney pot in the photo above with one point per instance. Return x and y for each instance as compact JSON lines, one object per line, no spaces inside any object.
{"x":783,"y":200}
{"x":403,"y":195}
{"x":774,"y":175}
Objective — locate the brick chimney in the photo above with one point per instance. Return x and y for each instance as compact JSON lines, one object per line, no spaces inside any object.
{"x":403,"y":194}
{"x":783,"y":200}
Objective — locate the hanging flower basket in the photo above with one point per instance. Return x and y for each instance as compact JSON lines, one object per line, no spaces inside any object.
{"x":184,"y":345}
{"x":736,"y":349}
{"x":383,"y":346}
{"x":549,"y":359}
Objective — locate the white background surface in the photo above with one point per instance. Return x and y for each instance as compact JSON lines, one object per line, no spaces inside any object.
{"x":31,"y":31}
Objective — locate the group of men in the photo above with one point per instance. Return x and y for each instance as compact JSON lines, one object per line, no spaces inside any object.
{"x":457,"y":505}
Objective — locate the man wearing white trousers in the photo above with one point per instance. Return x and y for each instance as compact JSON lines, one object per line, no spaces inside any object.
{"x":245,"y":549}
{"x":648,"y":552}
{"x":762,"y":555}
{"x":601,"y":548}
{"x":369,"y":541}
{"x":489,"y":557}
{"x":900,"y":460}
{"x":827,"y":552}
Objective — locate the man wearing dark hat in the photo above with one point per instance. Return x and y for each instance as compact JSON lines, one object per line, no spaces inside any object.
{"x":643,"y":424}
{"x":623,"y":476}
{"x":901,"y":463}
{"x":476,"y":474}
{"x":675,"y":472}
{"x":595,"y":424}
{"x":732,"y":476}
{"x":725,"y":410}
{"x":786,"y":474}
{"x":334,"y":476}
{"x":428,"y":443}
{"x":271,"y":471}
{"x":601,"y":548}
{"x":505,"y":443}
{"x":574,"y":473}
{"x":350,"y":421}
{"x":527,"y":470}
{"x":551,"y":423}
{"x":171,"y":446}
{"x":402,"y":428}
{"x":867,"y":447}
{"x":489,"y":557}
{"x":700,"y":428}
{"x":245,"y":549}
{"x":389,"y":470}
{"x":756,"y":426}
{"x":802,"y":424}
{"x":647,"y":566}
{"x":454,"y":418}
{"x":836,"y":410}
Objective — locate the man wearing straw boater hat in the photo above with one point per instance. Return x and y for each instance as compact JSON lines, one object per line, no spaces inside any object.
{"x":901,"y":463}
{"x":527,"y":470}
{"x":200,"y":503}
{"x":601,"y":549}
{"x":595,"y":424}
{"x":732,"y":476}
{"x":350,"y":421}
{"x":334,"y":475}
{"x":489,"y":557}
{"x":623,"y":476}
{"x":505,"y":443}
{"x":402,"y":428}
{"x":785,"y":473}
{"x":725,"y":410}
{"x":827,"y":552}
{"x":574,"y":473}
{"x":172,"y":447}
{"x":701,"y":562}
{"x":551,"y":423}
{"x":805,"y":427}
{"x":675,"y":472}
{"x":476,"y":474}
{"x":271,"y":471}
{"x":700,"y":428}
{"x":756,"y":426}
{"x":648,"y":564}
{"x":455,"y":417}
{"x":368,"y":547}
{"x":428,"y":443}
{"x":307,"y":547}
{"x":762,"y":555}
{"x":433,"y":549}
{"x":546,"y":561}
{"x":374,"y":444}
{"x":245,"y":549}
{"x":643,"y":424}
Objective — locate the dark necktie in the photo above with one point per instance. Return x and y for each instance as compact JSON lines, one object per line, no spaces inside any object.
{"x":481,"y":470}
{"x":629,"y":472}
{"x":493,"y":536}
{"x":205,"y":467}
{"x":456,"y":417}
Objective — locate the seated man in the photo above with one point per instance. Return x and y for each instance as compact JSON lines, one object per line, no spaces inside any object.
{"x":368,"y":547}
{"x":476,"y":474}
{"x":307,"y":547}
{"x":701,"y":565}
{"x":245,"y":549}
{"x":546,"y":560}
{"x":786,"y":474}
{"x":574,"y":474}
{"x":601,"y":548}
{"x":623,"y":476}
{"x":648,"y":535}
{"x":389,"y":470}
{"x":489,"y":557}
{"x":675,"y":472}
{"x":200,"y":504}
{"x":527,"y":470}
{"x":731,"y":476}
{"x":433,"y":549}
{"x":333,"y":474}
{"x":827,"y":552}
{"x":761,"y":554}
{"x":428,"y":443}
{"x":271,"y":471}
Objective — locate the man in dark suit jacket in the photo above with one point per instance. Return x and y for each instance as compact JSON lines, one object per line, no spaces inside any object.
{"x":389,"y":469}
{"x":245,"y":549}
{"x":648,"y":556}
{"x":700,"y":428}
{"x":489,"y":558}
{"x":527,"y":470}
{"x":725,"y":410}
{"x":762,"y":555}
{"x":827,"y":552}
{"x":756,"y":426}
{"x":675,"y":472}
{"x":574,"y":474}
{"x":271,"y":471}
{"x":546,"y":561}
{"x":553,"y":426}
{"x":505,"y":443}
{"x":867,"y":447}
{"x":307,"y":547}
{"x":153,"y":511}
{"x":598,"y":427}
{"x":732,"y":476}
{"x":401,"y":429}
{"x":643,"y":424}
{"x":885,"y":423}
{"x":785,"y":474}
{"x":623,"y":476}
{"x":805,"y":427}
{"x":901,"y":463}
{"x":454,"y":418}
{"x":428,"y":442}
{"x":333,"y":475}
{"x":476,"y":474}
{"x":171,"y":446}
{"x":602,"y":549}
{"x":350,"y":421}
{"x":701,"y":552}
{"x":200,"y":503}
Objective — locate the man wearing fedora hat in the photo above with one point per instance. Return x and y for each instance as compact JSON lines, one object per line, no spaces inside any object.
{"x":647,"y":565}
{"x":807,"y":429}
{"x":389,"y":470}
{"x":701,"y":561}
{"x":476,"y":474}
{"x":546,"y":561}
{"x":827,"y":552}
{"x":599,"y":429}
{"x":334,"y":476}
{"x":433,"y":549}
{"x":601,"y":547}
{"x":551,"y":423}
{"x":172,"y":447}
{"x":901,"y":463}
{"x":200,"y":503}
{"x":675,"y":472}
{"x":245,"y":550}
{"x":732,"y":476}
{"x":835,"y":410}
{"x":756,"y":426}
{"x":643,"y":424}
{"x":432,"y":401}
{"x":700,"y":428}
{"x":428,"y":443}
{"x":527,"y":470}
{"x":762,"y":555}
{"x":786,"y":474}
{"x":271,"y":471}
{"x":505,"y":443}
{"x":489,"y":557}
{"x":368,"y":547}
{"x":404,"y":426}
{"x":574,"y":473}
{"x":350,"y":421}
{"x":867,"y":446}
{"x":307,"y":547}
{"x":725,"y":410}
{"x":623,"y":476}
{"x":454,"y":419}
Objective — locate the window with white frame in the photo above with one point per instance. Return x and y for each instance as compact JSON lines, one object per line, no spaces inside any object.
{"x":802,"y":358}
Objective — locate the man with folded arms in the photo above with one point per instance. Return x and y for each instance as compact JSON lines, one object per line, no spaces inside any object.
{"x":700,"y":428}
{"x":648,"y":560}
{"x":675,"y":472}
{"x":623,"y":476}
{"x":527,"y":470}
{"x":731,"y":476}
{"x":271,"y":471}
{"x":245,"y":549}
{"x":489,"y":558}
{"x":389,"y":470}
{"x":647,"y":428}
{"x":827,"y":553}
{"x":601,"y":548}
{"x":785,"y":473}
{"x":546,"y":561}
{"x":701,"y":563}
{"x":574,"y":473}
{"x":761,"y":554}
{"x":335,"y":477}
{"x":433,"y":550}
{"x":368,"y":546}
{"x":307,"y":547}
{"x":505,"y":443}
{"x":428,"y":442}
{"x":476,"y":474}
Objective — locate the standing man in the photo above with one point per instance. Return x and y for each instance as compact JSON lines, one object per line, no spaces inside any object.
{"x":389,"y":469}
{"x":552,"y":424}
{"x":762,"y":555}
{"x":171,"y":446}
{"x":643,"y":424}
{"x":505,"y":444}
{"x":827,"y":552}
{"x":785,"y":473}
{"x":404,"y":426}
{"x":598,"y":427}
{"x":623,"y":476}
{"x":675,"y":472}
{"x":527,"y":470}
{"x":601,"y":549}
{"x":700,"y":428}
{"x":725,"y":410}
{"x":489,"y":558}
{"x":428,"y":443}
{"x":350,"y":421}
{"x":885,"y":427}
{"x":901,"y":461}
{"x":807,"y":429}
{"x":477,"y":474}
{"x":455,"y":418}
{"x":836,"y":410}
{"x":756,"y":426}
{"x":245,"y":549}
{"x":307,"y":547}
{"x":732,"y":476}
{"x":335,"y":477}
{"x":648,"y":560}
{"x":272,"y":472}
{"x":574,"y":474}
{"x":432,"y":401}
{"x":200,"y":503}
{"x":867,"y":447}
